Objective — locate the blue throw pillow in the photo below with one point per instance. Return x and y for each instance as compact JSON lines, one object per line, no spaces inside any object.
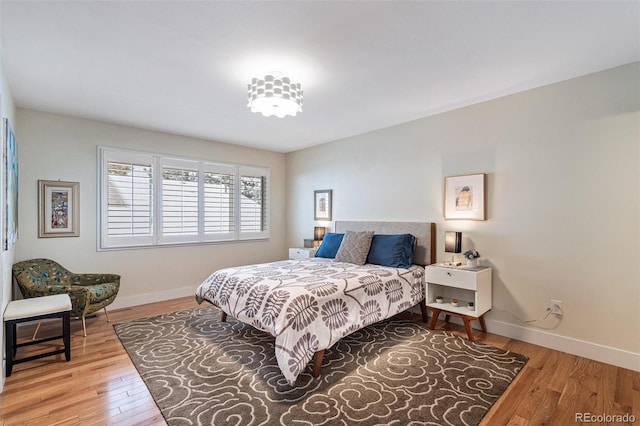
{"x":330,"y":245}
{"x":392,"y":250}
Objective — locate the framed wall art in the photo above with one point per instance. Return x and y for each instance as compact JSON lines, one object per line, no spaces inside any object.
{"x":10,"y":156}
{"x":464,"y":197}
{"x":322,"y":204}
{"x":58,"y":209}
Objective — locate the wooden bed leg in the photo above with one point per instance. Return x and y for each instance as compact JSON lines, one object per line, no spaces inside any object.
{"x":423,"y":308}
{"x":223,"y":316}
{"x":317,"y":363}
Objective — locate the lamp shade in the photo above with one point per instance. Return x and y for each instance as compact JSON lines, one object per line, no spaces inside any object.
{"x":453,"y":242}
{"x":318,"y":232}
{"x":274,"y":95}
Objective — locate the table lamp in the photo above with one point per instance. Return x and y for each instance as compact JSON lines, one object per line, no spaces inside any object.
{"x":453,"y":244}
{"x":318,"y":234}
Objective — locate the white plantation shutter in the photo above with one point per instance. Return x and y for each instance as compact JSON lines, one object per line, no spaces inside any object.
{"x":180,"y":201}
{"x":219,"y":201}
{"x":253,"y":202}
{"x":148,"y":199}
{"x":128,"y":211}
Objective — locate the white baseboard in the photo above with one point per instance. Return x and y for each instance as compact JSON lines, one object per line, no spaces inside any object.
{"x":590,"y":350}
{"x":594,"y":351}
{"x":158,"y":296}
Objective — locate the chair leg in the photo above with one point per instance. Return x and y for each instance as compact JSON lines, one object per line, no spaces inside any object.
{"x":106,"y":314}
{"x":35,"y":333}
{"x":84,"y":326}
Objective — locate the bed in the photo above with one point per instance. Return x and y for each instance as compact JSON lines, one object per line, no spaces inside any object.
{"x":308,"y":305}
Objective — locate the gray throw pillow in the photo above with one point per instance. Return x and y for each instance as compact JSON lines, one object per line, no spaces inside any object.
{"x":355,"y":247}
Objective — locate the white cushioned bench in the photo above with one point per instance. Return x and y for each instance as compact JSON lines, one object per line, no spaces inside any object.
{"x":33,"y":309}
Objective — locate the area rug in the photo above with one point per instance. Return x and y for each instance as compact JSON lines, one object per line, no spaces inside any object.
{"x":201,"y":371}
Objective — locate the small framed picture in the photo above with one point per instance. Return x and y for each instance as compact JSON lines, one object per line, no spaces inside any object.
{"x":464,"y":197}
{"x":58,"y":209}
{"x":322,"y":204}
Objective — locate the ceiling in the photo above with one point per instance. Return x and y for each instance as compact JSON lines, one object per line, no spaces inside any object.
{"x":182,"y":67}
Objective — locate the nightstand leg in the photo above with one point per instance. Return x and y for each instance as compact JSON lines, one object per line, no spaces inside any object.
{"x":467,"y":325}
{"x":435,"y":313}
{"x":482,"y":324}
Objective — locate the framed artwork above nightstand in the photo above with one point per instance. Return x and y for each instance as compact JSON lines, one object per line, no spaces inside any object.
{"x":465,"y":196}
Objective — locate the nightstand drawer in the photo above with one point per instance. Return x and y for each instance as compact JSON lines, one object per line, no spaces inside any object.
{"x":302,"y":253}
{"x":452,"y":277}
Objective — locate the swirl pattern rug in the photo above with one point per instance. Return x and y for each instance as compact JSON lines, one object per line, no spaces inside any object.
{"x":201,"y":371}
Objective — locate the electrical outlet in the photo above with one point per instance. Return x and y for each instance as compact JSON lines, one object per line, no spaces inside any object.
{"x":555,"y":307}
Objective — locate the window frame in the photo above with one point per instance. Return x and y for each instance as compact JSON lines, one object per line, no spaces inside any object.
{"x":106,"y":242}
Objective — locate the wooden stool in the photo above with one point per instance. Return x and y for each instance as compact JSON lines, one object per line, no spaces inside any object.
{"x":33,"y":309}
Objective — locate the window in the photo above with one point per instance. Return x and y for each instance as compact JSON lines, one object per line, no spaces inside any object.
{"x":252,"y":200}
{"x":219,"y":201}
{"x":180,"y":200}
{"x":150,"y":199}
{"x":127,"y":208}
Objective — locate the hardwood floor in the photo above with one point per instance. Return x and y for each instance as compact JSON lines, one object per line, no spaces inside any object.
{"x":101,"y":386}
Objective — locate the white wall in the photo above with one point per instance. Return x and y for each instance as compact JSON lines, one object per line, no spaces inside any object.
{"x":55,"y":147}
{"x":563,"y":201}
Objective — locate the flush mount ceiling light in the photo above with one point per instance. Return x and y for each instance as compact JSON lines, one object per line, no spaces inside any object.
{"x":274,"y":95}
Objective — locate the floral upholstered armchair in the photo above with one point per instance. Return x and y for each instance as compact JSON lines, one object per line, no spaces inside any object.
{"x":89,"y":292}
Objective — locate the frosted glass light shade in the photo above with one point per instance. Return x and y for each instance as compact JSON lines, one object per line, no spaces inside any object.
{"x":274,"y":96}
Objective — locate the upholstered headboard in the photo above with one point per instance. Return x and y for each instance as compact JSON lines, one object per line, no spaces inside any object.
{"x":425,"y":249}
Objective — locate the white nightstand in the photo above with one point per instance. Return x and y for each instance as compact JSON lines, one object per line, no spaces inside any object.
{"x":465,"y":285}
{"x":298,"y":253}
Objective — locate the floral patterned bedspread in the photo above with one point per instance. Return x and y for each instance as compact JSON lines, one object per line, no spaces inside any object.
{"x":308,"y":305}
